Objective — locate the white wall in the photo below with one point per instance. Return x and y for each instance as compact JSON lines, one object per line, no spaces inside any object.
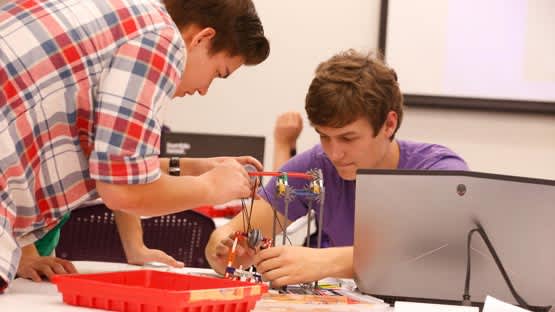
{"x":504,"y":53}
{"x":515,"y":144}
{"x":302,"y":34}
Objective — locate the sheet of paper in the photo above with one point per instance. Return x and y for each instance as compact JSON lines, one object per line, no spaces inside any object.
{"x":495,"y":305}
{"x":402,"y":306}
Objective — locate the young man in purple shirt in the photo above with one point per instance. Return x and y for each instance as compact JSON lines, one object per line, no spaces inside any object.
{"x":355,"y":104}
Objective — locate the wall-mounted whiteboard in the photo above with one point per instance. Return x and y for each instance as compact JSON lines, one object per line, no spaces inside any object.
{"x":494,"y":54}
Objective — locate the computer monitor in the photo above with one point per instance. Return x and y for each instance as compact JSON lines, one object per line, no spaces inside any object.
{"x":411,"y":228}
{"x":185,"y":144}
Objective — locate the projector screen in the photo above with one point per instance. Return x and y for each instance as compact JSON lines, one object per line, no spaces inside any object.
{"x":494,"y":54}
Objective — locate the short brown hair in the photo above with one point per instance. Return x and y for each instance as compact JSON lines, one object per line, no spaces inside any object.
{"x":238,"y":27}
{"x":351,"y":85}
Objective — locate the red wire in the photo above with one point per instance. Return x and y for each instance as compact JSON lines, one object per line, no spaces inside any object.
{"x":299,"y":175}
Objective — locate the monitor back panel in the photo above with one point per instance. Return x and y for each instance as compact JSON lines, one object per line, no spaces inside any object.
{"x":411,"y":234}
{"x":211,"y":145}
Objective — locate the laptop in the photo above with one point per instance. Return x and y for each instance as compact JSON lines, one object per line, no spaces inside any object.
{"x":184,"y":144}
{"x":411,"y":228}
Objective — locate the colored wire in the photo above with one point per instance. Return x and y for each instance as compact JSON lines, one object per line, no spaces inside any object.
{"x":299,"y":175}
{"x":277,"y":219}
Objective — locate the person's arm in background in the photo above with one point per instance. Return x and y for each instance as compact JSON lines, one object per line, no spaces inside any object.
{"x":131,"y":235}
{"x":287,"y":129}
{"x":34,"y":266}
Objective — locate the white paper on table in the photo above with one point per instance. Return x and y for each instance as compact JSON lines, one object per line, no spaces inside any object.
{"x":496,"y":305}
{"x":403,"y":306}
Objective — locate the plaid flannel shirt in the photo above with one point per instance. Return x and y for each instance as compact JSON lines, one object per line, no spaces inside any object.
{"x":82,"y":83}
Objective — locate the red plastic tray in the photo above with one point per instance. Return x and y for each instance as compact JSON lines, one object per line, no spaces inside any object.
{"x":149,"y":290}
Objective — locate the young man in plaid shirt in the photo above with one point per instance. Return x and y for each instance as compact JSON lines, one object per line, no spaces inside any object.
{"x":82,"y":83}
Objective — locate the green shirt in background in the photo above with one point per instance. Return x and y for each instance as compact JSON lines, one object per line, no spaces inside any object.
{"x":46,"y":245}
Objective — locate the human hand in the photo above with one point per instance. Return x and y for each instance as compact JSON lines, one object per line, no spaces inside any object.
{"x":287,"y":129}
{"x":218,"y":249}
{"x":285,"y":265}
{"x":227,"y":181}
{"x":198,"y":166}
{"x":249,"y":160}
{"x":143,"y":254}
{"x":36,"y":266}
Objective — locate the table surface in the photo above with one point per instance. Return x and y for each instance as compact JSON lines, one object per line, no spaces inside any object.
{"x":27,"y":296}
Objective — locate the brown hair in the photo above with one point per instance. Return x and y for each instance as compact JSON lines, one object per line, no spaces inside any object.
{"x":351,"y":85}
{"x":238,"y":27}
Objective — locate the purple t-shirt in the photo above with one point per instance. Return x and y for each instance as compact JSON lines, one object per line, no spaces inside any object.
{"x":339,"y":203}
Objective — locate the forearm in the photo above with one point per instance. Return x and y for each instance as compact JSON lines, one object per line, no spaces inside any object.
{"x":339,"y":262}
{"x":130,"y":231}
{"x":166,"y":195}
{"x":203,"y":181}
{"x":189,"y":166}
{"x":282,"y":153}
